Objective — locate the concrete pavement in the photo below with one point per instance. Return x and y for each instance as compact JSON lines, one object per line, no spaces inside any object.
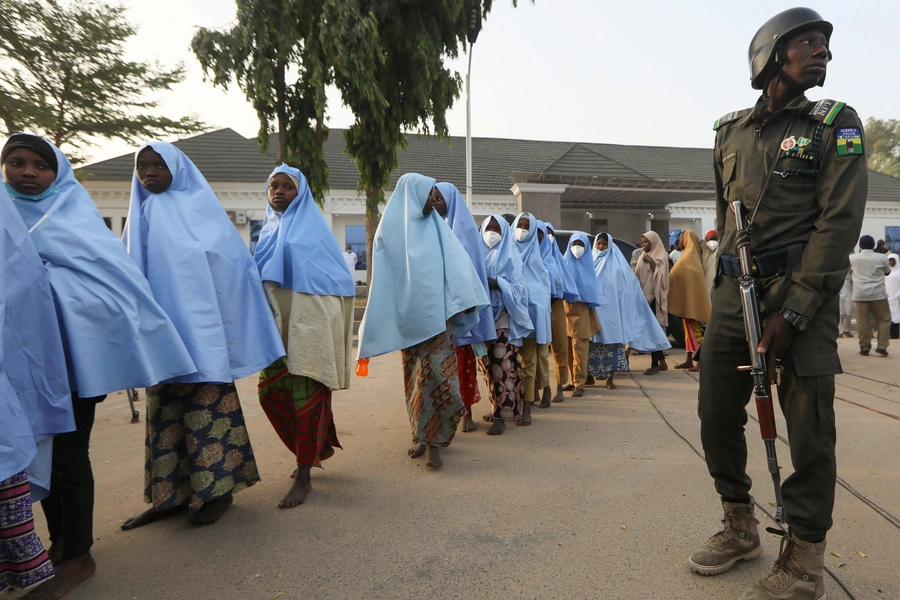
{"x":599,"y":498}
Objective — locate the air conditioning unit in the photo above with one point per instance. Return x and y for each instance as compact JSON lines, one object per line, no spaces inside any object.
{"x":238,"y":217}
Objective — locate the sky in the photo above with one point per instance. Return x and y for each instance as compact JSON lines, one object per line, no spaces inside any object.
{"x":635,"y":72}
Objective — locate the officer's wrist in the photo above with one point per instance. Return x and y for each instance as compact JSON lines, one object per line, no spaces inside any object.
{"x":798,"y":322}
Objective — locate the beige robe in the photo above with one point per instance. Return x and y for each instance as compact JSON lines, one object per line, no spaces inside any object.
{"x":317,"y":332}
{"x":688,"y":295}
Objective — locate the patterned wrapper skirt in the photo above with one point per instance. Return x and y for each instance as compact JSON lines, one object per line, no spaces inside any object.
{"x":468,"y":375}
{"x":197,"y":444}
{"x":23,"y":560}
{"x":299,"y":409}
{"x":431,"y":383}
{"x":606,"y":359}
{"x":503,"y":377}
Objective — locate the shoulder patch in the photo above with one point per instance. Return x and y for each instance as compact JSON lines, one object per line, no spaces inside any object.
{"x":848,"y":141}
{"x":826,"y":111}
{"x":728,"y":118}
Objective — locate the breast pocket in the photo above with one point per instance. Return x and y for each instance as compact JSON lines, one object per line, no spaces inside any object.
{"x":728,"y":175}
{"x":790,"y":192}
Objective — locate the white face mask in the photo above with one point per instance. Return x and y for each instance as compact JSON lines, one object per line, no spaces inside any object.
{"x":492,"y":238}
{"x":521,"y":234}
{"x":552,"y":237}
{"x":577,"y":251}
{"x":595,"y":253}
{"x":712,"y":244}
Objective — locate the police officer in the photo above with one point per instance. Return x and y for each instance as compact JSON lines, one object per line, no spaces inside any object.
{"x":799,"y":168}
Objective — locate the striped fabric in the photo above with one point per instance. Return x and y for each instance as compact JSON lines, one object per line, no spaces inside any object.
{"x":23,"y":560}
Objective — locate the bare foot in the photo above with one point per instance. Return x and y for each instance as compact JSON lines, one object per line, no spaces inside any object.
{"x":213,"y":510}
{"x":652,"y":371}
{"x":433,"y":459}
{"x":416,"y":451}
{"x":568,"y":387}
{"x":326,"y":453}
{"x":525,"y":421}
{"x":545,"y":398}
{"x":610,"y":385}
{"x":578,"y":393}
{"x":559,"y":394}
{"x":498,"y":427}
{"x":151,"y":514}
{"x":69,"y":574}
{"x":488,"y":417}
{"x":468,"y":423}
{"x":695,"y":369}
{"x":299,"y":490}
{"x":55,"y":551}
{"x":663,"y":366}
{"x":688,"y":364}
{"x":589,"y":381}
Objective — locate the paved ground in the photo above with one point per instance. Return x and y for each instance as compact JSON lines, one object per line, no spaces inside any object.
{"x":598,"y":499}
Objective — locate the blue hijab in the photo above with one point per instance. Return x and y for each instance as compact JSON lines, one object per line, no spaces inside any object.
{"x":624,"y":314}
{"x":35,"y":402}
{"x":548,"y":256}
{"x":536,"y":279}
{"x":201,"y":273}
{"x":570,"y":290}
{"x":421,"y":276}
{"x":462,"y":224}
{"x":115,"y":334}
{"x":583,"y":270}
{"x":297,"y":249}
{"x":504,"y":263}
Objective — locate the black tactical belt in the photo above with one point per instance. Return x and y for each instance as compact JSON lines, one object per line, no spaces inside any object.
{"x":767,"y":264}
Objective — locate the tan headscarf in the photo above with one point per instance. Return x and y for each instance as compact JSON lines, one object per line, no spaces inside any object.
{"x":655,"y":283}
{"x":688,"y":296}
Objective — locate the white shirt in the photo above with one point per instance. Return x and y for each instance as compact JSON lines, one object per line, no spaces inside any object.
{"x":868,"y":270}
{"x":350,"y":258}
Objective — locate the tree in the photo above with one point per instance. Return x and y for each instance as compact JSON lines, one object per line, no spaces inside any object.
{"x":65,"y":76}
{"x":282,"y":54}
{"x":883,"y":139}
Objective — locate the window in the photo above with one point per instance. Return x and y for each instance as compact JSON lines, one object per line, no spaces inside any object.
{"x":108,"y":221}
{"x":355,"y":237}
{"x":255,"y":228}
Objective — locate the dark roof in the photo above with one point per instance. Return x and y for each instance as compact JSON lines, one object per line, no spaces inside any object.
{"x":225,"y":155}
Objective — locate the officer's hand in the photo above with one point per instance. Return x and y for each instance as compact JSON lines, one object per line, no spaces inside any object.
{"x":776,"y":339}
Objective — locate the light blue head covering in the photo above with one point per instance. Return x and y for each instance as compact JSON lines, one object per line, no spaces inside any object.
{"x":463,"y":226}
{"x":625,"y":315}
{"x":202,"y":274}
{"x":297,"y":249}
{"x":570,"y":290}
{"x":421,"y":276}
{"x":115,"y":334}
{"x":583,"y":270}
{"x":35,"y":403}
{"x":504,"y":263}
{"x":537,"y":279}
{"x":548,"y":255}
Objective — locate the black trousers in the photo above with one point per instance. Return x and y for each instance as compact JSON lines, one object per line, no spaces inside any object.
{"x":808,"y":407}
{"x":70,"y":506}
{"x":895,"y":331}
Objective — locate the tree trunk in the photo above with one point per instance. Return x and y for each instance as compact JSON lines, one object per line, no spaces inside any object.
{"x":373,"y":200}
{"x":281,"y":110}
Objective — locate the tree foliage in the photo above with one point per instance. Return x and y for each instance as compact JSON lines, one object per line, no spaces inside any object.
{"x":883,"y":141}
{"x":65,"y":77}
{"x":282,"y":54}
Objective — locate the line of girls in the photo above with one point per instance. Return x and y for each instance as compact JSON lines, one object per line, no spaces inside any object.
{"x":452,"y":297}
{"x":178,"y":306}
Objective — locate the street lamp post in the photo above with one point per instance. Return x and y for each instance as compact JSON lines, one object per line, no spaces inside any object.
{"x":474,"y":17}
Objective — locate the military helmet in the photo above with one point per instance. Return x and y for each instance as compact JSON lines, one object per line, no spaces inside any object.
{"x":767,"y":41}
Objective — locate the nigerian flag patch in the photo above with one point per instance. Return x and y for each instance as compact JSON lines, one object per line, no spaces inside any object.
{"x":849,"y":141}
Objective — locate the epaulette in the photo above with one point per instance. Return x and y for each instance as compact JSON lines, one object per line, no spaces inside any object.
{"x":826,"y":111}
{"x":728,"y":118}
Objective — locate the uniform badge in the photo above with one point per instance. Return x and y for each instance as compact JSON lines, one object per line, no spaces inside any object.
{"x":803,"y":142}
{"x":788,"y":143}
{"x":849,"y":141}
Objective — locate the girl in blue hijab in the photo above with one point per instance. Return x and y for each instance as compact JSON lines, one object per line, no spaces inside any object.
{"x":202,"y":274}
{"x":115,"y":335}
{"x":450,"y":205}
{"x":312,"y":296}
{"x":424,"y":291}
{"x":35,"y":404}
{"x":535,"y":351}
{"x":559,"y":345}
{"x":626,"y":317}
{"x":581,"y":320}
{"x":512,"y":322}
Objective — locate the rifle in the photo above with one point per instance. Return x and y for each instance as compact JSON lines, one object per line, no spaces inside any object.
{"x":762,"y":389}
